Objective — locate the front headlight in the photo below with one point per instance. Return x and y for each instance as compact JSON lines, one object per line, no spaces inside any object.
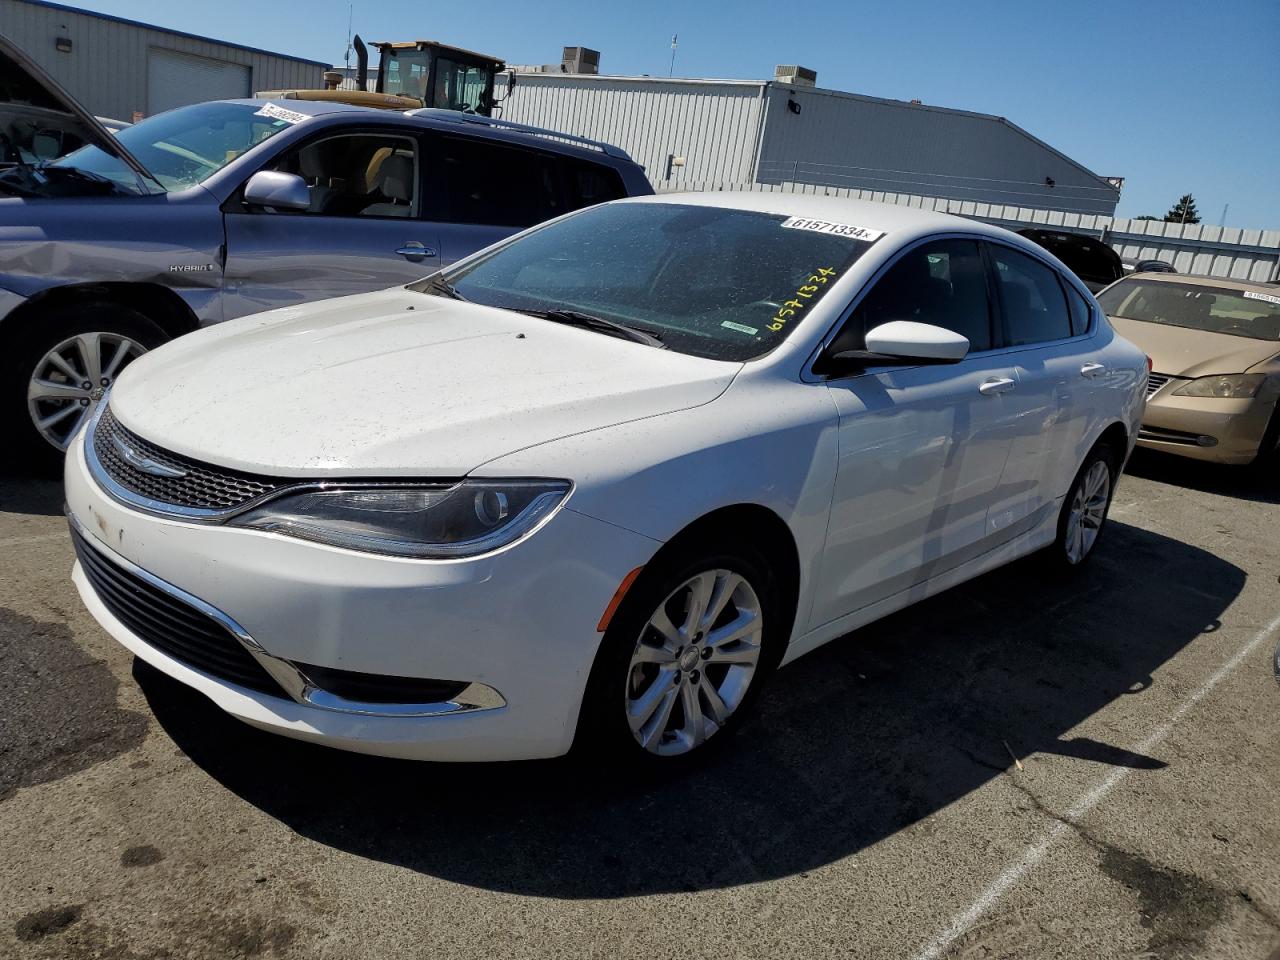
{"x":1235,"y":386}
{"x":428,"y":522}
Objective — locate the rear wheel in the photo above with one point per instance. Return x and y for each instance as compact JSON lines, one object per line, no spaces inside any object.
{"x":684,"y":658}
{"x":1084,"y":511}
{"x":61,"y":369}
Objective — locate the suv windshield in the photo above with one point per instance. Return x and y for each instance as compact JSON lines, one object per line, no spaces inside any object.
{"x":717,"y":283}
{"x":182,"y":147}
{"x":1240,"y":313}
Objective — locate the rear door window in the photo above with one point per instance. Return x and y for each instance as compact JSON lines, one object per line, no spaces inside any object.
{"x":1031,"y":297}
{"x":484,"y":182}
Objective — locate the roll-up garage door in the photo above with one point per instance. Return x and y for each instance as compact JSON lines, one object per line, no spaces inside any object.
{"x":176,"y":79}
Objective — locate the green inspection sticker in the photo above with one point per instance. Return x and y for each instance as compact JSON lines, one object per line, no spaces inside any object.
{"x":741,"y":328}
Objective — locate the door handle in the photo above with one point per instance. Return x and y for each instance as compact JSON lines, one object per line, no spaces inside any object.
{"x":989,"y":388}
{"x":415,"y":251}
{"x":1092,"y":370}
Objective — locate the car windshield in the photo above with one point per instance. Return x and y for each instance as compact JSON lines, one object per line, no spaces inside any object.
{"x":1240,"y":313}
{"x":713,"y":282}
{"x":183,"y":147}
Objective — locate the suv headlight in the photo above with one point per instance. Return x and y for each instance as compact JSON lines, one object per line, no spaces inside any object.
{"x":427,"y":522}
{"x":1234,"y":386}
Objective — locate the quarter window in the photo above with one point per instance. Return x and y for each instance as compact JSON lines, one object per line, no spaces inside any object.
{"x":1079,"y":311}
{"x":943,"y":283}
{"x":1035,"y":308}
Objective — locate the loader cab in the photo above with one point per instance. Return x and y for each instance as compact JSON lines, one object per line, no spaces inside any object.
{"x":441,"y":76}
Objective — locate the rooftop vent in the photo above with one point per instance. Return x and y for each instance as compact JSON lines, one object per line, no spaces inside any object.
{"x":580,"y":60}
{"x":796,"y":76}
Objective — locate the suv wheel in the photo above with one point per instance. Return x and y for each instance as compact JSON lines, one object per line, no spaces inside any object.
{"x":62,"y":368}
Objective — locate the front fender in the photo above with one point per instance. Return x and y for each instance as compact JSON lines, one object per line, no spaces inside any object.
{"x":763,"y":442}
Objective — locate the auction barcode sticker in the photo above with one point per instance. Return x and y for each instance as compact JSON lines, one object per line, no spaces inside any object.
{"x":835,"y":229}
{"x":280,"y":113}
{"x":1250,"y":295}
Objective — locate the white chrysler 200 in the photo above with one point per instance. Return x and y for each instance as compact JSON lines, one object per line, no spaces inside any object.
{"x":593,"y":484}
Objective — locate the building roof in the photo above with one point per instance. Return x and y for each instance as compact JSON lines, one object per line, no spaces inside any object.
{"x":177,"y":33}
{"x":821,"y":91}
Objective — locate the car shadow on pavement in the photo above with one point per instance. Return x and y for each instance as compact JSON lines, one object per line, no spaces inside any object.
{"x":851,"y":744}
{"x":35,"y":495}
{"x":1257,"y":483}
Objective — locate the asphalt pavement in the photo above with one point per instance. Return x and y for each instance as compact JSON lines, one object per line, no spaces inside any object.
{"x":1022,"y":767}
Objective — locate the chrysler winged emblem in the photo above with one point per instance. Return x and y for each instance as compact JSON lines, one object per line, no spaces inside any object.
{"x":144,"y":463}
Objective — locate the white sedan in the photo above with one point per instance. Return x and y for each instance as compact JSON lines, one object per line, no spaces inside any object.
{"x":592,"y":485}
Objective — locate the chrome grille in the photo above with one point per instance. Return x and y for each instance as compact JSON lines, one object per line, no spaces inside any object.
{"x":1155,"y":381}
{"x":201,"y":487}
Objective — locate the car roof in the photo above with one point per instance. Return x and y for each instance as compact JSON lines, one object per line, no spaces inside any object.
{"x":452,"y":121}
{"x":312,"y":108}
{"x":1199,"y":280}
{"x":873,"y":215}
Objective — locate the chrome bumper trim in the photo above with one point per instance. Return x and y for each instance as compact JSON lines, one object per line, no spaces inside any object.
{"x":473,"y":698}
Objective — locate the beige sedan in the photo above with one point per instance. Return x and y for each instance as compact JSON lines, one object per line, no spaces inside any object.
{"x":1214,"y":344}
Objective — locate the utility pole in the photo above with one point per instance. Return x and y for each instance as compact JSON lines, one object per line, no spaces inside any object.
{"x":1225,"y":208}
{"x":671,"y":72}
{"x":346,"y":57}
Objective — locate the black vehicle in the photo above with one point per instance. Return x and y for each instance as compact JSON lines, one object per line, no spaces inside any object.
{"x":1149,"y":266}
{"x":1091,"y":260}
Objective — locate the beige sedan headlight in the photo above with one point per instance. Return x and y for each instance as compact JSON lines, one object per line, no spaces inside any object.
{"x":1235,"y":386}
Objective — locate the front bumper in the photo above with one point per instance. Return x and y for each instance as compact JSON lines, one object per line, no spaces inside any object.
{"x":520,"y":622}
{"x":1206,"y":428}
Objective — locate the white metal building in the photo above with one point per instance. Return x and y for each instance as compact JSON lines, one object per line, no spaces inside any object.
{"x":124,"y":69}
{"x":757,"y":131}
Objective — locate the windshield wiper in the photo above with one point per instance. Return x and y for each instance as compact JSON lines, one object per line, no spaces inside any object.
{"x":587,"y":321}
{"x":441,"y":288}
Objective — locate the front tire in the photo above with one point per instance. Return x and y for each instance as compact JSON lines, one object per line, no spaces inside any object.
{"x":684,"y":658}
{"x":1084,"y":511}
{"x":59,"y":370}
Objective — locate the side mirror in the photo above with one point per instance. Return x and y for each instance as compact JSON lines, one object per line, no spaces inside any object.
{"x":902,"y":343}
{"x":281,"y":191}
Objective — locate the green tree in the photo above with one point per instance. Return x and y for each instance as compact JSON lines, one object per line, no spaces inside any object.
{"x":1184,"y":211}
{"x":1146,"y":216}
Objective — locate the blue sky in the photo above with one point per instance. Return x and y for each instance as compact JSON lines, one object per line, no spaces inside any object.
{"x":1175,"y":96}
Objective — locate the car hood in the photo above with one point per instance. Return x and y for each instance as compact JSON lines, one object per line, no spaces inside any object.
{"x":395,"y":383}
{"x":1183,"y":352}
{"x":25,"y":87}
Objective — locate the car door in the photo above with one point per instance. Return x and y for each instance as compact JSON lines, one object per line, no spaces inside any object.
{"x":921,"y":447}
{"x":363,"y":231}
{"x":1043,"y":337}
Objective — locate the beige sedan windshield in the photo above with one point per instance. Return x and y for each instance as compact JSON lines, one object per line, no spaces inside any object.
{"x":1240,"y":313}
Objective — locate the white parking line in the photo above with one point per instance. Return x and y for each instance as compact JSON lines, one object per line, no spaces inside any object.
{"x":1034,"y":853}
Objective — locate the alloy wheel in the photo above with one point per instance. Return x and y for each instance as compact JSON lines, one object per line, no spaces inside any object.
{"x":1088,"y":511}
{"x":693,"y":662}
{"x":70,"y":380}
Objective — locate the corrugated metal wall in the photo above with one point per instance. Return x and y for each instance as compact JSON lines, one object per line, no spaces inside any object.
{"x":836,"y":139}
{"x":1192,"y":248}
{"x":107,"y":67}
{"x":847,"y":140}
{"x":713,"y":125}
